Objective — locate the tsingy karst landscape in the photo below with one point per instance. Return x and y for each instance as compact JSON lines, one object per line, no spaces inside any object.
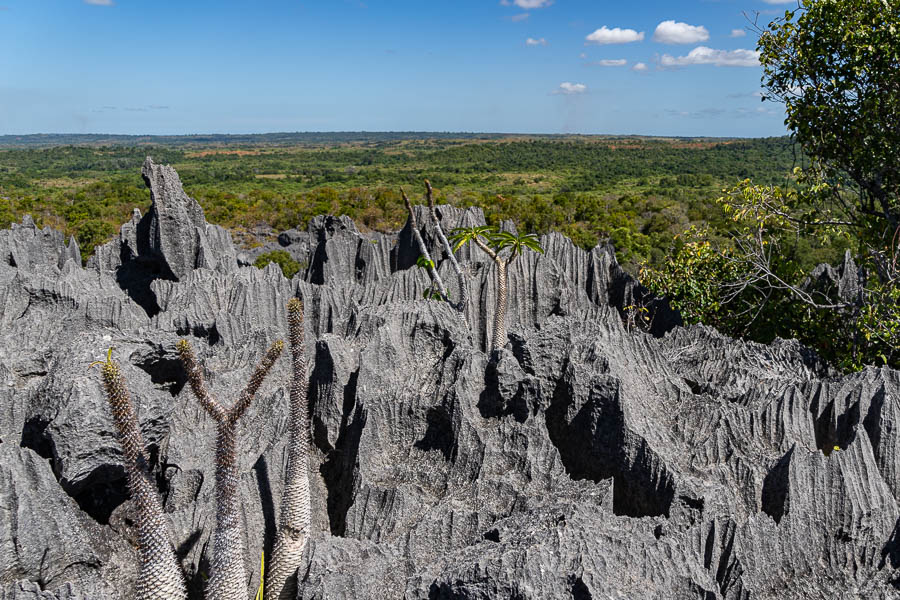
{"x":587,"y":458}
{"x":368,"y":338}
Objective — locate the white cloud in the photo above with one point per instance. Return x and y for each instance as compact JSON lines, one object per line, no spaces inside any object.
{"x":756,"y":94}
{"x":519,"y":17}
{"x":604,"y":35}
{"x":701,"y":55}
{"x":570,"y":89}
{"x":527,"y":4}
{"x":639,"y":67}
{"x":536,"y":42}
{"x":100,"y":2}
{"x":747,"y":112}
{"x":610,"y":62}
{"x":737,"y":33}
{"x":703,"y":113}
{"x":582,"y":55}
{"x":670,"y":32}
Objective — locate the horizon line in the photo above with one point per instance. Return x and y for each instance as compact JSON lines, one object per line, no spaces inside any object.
{"x":377,"y":132}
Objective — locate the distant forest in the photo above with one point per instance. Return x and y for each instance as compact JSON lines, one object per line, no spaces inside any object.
{"x":330,"y":138}
{"x":637,"y":193}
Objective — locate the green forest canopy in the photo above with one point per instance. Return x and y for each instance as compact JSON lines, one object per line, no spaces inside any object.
{"x":636,"y":192}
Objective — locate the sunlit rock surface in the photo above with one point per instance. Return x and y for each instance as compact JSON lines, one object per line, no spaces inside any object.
{"x":595,"y":456}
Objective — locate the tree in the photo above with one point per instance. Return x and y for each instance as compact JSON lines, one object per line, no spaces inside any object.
{"x":425,"y":260}
{"x":294,"y":525}
{"x":228,"y":580}
{"x":427,"y":263}
{"x":463,"y":284}
{"x":503,"y":248}
{"x":160,"y":576}
{"x":834,"y":64}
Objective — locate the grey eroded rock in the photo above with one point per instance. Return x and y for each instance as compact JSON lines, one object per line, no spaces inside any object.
{"x":595,"y":456}
{"x":168,"y":243}
{"x":178,"y":231}
{"x":844,"y":284}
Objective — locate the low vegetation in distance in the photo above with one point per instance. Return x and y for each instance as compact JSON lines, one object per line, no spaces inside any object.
{"x":636,"y":192}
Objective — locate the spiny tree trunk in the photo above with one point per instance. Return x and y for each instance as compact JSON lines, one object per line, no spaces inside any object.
{"x":463,"y":299}
{"x":160,"y":576}
{"x":294,"y":526}
{"x":228,"y":577}
{"x":499,"y":338}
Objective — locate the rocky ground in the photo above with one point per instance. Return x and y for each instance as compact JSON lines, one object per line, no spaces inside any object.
{"x":592,"y":457}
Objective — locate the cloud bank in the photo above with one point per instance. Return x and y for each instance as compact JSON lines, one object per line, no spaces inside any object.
{"x":527,"y":4}
{"x":670,"y":32}
{"x":701,"y":55}
{"x":604,"y":35}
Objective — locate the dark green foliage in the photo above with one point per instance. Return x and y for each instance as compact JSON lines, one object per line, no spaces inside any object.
{"x":637,"y":192}
{"x":90,"y":233}
{"x":835,"y":66}
{"x":424,"y":263}
{"x":515,"y":244}
{"x":282,"y":258}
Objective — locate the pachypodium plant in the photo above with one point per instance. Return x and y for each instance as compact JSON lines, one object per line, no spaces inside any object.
{"x":294,"y":525}
{"x":228,"y":577}
{"x":463,"y":299}
{"x":433,"y":292}
{"x":503,"y":248}
{"x":424,"y":260}
{"x":438,"y":290}
{"x":160,"y":576}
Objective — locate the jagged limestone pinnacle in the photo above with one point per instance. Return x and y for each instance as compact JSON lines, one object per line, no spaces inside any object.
{"x":160,"y":575}
{"x":294,"y":524}
{"x":228,"y":576}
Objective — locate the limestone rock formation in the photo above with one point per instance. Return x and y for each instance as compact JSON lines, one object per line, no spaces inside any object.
{"x":594,"y":456}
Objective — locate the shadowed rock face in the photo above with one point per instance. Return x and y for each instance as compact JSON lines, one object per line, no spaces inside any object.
{"x":586,"y":459}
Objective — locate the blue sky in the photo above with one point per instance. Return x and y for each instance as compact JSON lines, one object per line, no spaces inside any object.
{"x":520,"y":66}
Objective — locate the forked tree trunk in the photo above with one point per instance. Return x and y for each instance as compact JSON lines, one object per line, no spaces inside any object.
{"x":228,"y":577}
